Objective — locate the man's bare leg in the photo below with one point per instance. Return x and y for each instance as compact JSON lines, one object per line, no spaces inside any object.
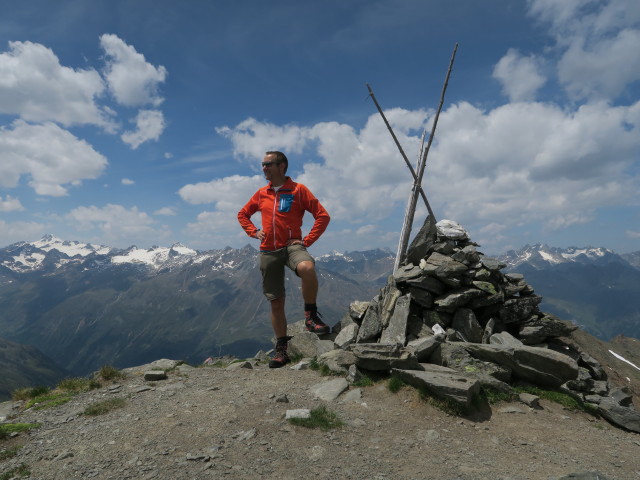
{"x":278,"y":318}
{"x":307,"y":273}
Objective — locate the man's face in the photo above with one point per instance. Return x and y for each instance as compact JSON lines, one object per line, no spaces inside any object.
{"x":270,"y":168}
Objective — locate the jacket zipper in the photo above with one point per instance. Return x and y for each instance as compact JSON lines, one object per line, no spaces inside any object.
{"x":273,"y":219}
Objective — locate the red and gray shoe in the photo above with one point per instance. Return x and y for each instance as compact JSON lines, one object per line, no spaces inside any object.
{"x":313,"y":323}
{"x":281,"y":357}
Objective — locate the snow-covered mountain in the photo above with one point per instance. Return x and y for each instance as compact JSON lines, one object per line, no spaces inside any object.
{"x":84,"y":305}
{"x":52,"y":253}
{"x":542,"y":256}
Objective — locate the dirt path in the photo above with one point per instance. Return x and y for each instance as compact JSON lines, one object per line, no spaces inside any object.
{"x":209,"y":423}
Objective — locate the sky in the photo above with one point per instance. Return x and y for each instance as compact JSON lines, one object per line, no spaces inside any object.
{"x":144,"y":122}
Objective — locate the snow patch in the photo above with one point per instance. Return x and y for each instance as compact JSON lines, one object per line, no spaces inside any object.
{"x":620,"y":357}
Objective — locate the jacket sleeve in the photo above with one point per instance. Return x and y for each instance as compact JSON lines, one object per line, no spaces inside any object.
{"x":320,"y":215}
{"x":245,"y":213}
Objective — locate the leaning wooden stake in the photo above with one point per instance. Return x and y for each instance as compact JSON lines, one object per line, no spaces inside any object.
{"x":404,"y":155}
{"x":417,"y":186}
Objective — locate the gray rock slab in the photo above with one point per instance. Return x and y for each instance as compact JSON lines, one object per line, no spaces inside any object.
{"x":519,"y":309}
{"x":428,"y":283}
{"x":347,"y":336}
{"x":442,"y":384}
{"x":504,"y":338}
{"x":238,"y":365}
{"x":297,"y":413}
{"x":354,"y":395}
{"x":154,"y":375}
{"x":493,"y":264}
{"x":396,"y":330}
{"x":540,"y":366}
{"x":309,"y":344}
{"x":423,"y":241}
{"x":450,"y":302}
{"x":381,"y":357}
{"x":338,"y":360}
{"x":421,"y":297}
{"x":329,"y":391}
{"x":406,"y":273}
{"x":540,"y":330}
{"x":442,"y":266}
{"x":625,"y":417}
{"x":371,"y":323}
{"x":423,"y":347}
{"x":465,"y":322}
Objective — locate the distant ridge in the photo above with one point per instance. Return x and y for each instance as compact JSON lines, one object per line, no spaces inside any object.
{"x":25,"y":366}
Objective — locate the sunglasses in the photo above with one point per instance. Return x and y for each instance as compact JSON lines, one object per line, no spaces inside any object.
{"x":268,"y":164}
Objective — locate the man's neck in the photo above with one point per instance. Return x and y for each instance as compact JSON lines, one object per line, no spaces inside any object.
{"x":278,"y":182}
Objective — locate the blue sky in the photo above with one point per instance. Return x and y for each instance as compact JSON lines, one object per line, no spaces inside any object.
{"x":144,"y":122}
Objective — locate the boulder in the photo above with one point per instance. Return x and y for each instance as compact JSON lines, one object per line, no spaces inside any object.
{"x":442,"y":266}
{"x":539,"y":366}
{"x":396,"y":330}
{"x":378,"y":356}
{"x":423,"y":347}
{"x":337,"y":360}
{"x":423,"y":241}
{"x":371,"y":323}
{"x":465,"y":322}
{"x":347,"y":336}
{"x":309,"y":344}
{"x":625,"y":417}
{"x":442,"y":382}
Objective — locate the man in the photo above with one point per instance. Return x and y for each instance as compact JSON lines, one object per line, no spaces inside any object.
{"x":282,"y":204}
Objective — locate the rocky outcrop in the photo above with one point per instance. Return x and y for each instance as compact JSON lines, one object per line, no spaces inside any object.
{"x":451,"y":306}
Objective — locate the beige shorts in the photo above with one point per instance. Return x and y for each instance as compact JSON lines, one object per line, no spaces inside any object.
{"x":272,"y":267}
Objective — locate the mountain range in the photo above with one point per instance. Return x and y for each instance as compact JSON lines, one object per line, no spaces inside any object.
{"x":594,"y":288}
{"x":85,"y":305}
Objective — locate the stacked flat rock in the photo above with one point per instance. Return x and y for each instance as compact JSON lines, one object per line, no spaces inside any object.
{"x":450,"y":321}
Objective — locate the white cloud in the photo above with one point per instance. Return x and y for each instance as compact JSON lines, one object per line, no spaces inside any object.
{"x":49,"y":155}
{"x":11,"y":232}
{"x":131,"y":79}
{"x":116,"y":223}
{"x":632,"y":234}
{"x":149,"y":126}
{"x":362,"y":177}
{"x":598,"y":44}
{"x":166,"y":211}
{"x":511,"y":166}
{"x":10,"y":204}
{"x":522,"y":163}
{"x":227,"y":193}
{"x":519,"y":76}
{"x":127,"y":181}
{"x":251,"y":138}
{"x":35,"y":87}
{"x":218,"y":227}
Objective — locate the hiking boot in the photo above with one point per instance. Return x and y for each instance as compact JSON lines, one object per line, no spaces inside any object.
{"x":281,"y":357}
{"x":313,"y":323}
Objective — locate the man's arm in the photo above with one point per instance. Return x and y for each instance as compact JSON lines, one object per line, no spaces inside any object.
{"x":244,"y":217}
{"x":322,"y":218}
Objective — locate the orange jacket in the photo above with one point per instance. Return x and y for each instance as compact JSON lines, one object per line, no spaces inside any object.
{"x":282,"y":214}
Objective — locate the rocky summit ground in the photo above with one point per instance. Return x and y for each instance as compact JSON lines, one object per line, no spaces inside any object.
{"x":209,"y":423}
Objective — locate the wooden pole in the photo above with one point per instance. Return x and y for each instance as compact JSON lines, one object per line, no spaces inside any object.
{"x":404,"y":155}
{"x":413,"y":198}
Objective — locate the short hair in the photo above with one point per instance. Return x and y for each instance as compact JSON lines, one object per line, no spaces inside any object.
{"x":280,"y":158}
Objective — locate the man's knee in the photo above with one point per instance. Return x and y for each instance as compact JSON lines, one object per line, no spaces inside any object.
{"x":305,"y":268}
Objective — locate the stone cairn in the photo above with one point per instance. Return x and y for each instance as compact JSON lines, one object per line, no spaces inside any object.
{"x":450,"y":322}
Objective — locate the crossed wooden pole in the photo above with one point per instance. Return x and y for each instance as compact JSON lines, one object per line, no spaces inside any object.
{"x":416,"y":189}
